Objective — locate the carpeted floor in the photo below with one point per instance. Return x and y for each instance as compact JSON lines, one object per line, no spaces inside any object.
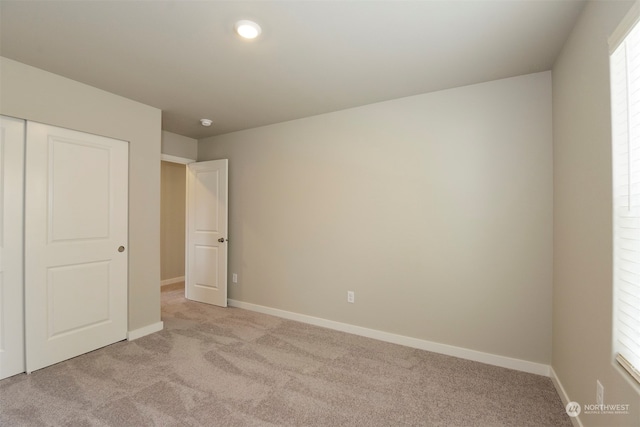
{"x":231,"y":367}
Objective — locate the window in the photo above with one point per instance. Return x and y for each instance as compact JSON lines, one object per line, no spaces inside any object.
{"x":625,"y":110}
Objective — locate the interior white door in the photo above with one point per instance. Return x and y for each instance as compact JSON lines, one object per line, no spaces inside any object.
{"x":76,"y":263}
{"x":11,"y":238}
{"x":206,"y":248}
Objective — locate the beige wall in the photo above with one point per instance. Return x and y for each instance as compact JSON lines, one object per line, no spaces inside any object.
{"x":172,"y":220}
{"x":582,"y":309}
{"x":179,"y":146}
{"x":33,"y":94}
{"x":435,"y":209}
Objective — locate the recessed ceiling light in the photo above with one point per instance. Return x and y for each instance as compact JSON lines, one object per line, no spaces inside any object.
{"x":206,"y":122}
{"x":248,"y":29}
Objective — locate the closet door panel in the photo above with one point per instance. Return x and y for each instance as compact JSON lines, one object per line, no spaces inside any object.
{"x":12,"y":136}
{"x":75,"y":245}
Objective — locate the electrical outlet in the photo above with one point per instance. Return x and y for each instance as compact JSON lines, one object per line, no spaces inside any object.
{"x":351,"y":297}
{"x":599,"y":393}
{"x":234,"y":278}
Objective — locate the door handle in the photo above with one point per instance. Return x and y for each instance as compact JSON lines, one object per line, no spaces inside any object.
{"x":222,"y":239}
{"x":121,"y":249}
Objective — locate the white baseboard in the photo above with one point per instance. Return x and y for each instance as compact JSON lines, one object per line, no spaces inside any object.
{"x":463,"y":353}
{"x":166,"y":282}
{"x":564,"y":396}
{"x":147,"y":330}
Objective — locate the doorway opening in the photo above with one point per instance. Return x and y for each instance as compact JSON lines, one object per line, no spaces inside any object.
{"x":193,"y":223}
{"x":172,"y":225}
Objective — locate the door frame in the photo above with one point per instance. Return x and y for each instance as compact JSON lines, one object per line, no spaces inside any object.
{"x":175,"y":159}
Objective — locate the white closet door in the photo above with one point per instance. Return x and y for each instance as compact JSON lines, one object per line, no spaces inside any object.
{"x":75,"y":243}
{"x":11,"y":235}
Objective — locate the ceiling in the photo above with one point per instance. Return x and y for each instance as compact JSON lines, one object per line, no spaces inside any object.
{"x":313,"y":57}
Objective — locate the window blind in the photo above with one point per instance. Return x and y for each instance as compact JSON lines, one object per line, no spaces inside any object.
{"x":625,"y":109}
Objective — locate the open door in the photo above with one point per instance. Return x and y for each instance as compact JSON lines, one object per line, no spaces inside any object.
{"x":206,"y":248}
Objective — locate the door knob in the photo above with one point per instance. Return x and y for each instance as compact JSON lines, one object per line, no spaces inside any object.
{"x":121,"y":249}
{"x":221,"y":240}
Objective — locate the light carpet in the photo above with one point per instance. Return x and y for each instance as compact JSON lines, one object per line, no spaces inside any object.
{"x":215,"y":366}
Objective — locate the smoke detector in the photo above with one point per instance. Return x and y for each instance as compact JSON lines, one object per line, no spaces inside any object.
{"x":205,"y":122}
